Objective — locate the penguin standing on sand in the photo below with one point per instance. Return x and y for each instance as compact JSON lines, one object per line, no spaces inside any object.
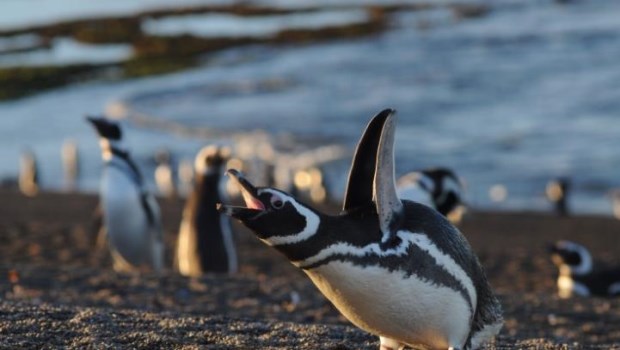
{"x":164,"y":175}
{"x":438,"y":188}
{"x":130,"y":213}
{"x":28,"y":174}
{"x":397,"y":269}
{"x":70,"y":164}
{"x":205,"y":242}
{"x":577,"y":275}
{"x":557,"y":193}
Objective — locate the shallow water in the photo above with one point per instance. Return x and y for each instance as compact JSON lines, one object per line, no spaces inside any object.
{"x":528,"y":93}
{"x":64,"y":51}
{"x":226,"y":25}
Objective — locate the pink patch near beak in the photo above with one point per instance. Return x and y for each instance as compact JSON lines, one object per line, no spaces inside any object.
{"x":251,"y":202}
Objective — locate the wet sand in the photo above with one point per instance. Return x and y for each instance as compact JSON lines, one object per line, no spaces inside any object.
{"x":58,"y":290}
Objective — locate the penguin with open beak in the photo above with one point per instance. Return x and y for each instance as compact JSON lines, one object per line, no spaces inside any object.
{"x":397,"y":269}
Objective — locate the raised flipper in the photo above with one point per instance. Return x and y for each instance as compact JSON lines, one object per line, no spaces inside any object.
{"x":389,"y":206}
{"x":359,"y":191}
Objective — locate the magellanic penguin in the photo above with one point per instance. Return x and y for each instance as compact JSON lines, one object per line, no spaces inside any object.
{"x":438,"y":188}
{"x":130,"y":213}
{"x":557,"y":193}
{"x":577,"y":275}
{"x":70,"y":164}
{"x":396,"y":269}
{"x":28,"y":174}
{"x":205,"y":242}
{"x":164,"y":175}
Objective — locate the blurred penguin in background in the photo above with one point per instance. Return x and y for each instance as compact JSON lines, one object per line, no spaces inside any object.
{"x":164,"y":174}
{"x":579,"y":275}
{"x":615,"y":202}
{"x":185,"y":171}
{"x":70,"y":164}
{"x":205,"y":242}
{"x":130,"y":213}
{"x":557,"y":194}
{"x":438,"y":188}
{"x":28,"y":174}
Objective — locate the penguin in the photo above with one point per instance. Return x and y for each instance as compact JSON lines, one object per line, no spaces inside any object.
{"x":70,"y":163}
{"x":396,"y":269}
{"x":205,"y":242}
{"x":438,"y":188}
{"x":557,"y":193}
{"x":28,"y":174}
{"x":577,"y":275}
{"x":164,"y":174}
{"x":615,"y":202}
{"x":131,"y":214}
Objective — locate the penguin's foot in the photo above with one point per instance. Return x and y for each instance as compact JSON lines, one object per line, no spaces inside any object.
{"x":390,"y":344}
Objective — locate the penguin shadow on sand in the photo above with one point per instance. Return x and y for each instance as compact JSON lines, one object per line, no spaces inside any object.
{"x":205,"y":241}
{"x":580,"y":275}
{"x":396,"y":269}
{"x":129,"y":214}
{"x":438,"y":188}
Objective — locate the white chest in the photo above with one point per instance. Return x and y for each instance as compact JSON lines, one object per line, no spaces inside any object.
{"x":389,"y":304}
{"x":124,"y":216}
{"x":567,"y":287}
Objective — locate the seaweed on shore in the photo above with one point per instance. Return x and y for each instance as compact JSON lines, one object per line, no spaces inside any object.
{"x":22,"y":81}
{"x":163,"y":54}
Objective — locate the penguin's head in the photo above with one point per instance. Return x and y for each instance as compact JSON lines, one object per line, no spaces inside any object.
{"x":447,"y":189}
{"x":274,"y":216}
{"x":571,"y":257}
{"x":106,"y":128}
{"x":211,"y":158}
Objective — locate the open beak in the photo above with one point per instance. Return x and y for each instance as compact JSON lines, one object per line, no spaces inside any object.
{"x":254,"y":206}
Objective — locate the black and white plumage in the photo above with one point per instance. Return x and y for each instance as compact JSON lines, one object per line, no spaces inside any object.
{"x":397,"y":269}
{"x":438,"y":188}
{"x":577,"y":275}
{"x":130,"y":213}
{"x":205,"y":242}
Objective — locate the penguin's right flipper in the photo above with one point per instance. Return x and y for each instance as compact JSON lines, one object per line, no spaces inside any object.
{"x":359,"y":191}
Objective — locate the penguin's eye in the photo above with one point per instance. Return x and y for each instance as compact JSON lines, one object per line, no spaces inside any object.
{"x":276,"y":202}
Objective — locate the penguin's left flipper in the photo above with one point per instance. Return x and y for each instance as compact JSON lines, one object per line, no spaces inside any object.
{"x":389,"y":206}
{"x":359,"y":185}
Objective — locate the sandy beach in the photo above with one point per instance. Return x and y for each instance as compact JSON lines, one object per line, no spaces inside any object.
{"x":58,"y":289}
